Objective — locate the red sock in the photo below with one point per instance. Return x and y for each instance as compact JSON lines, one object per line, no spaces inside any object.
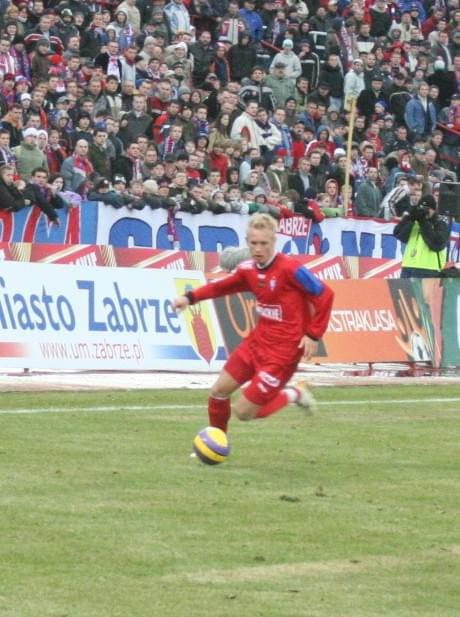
{"x":219,"y":412}
{"x":281,"y":400}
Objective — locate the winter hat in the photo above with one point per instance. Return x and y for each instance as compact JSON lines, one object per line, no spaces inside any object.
{"x":42,"y":133}
{"x":150,"y":187}
{"x":102,"y":183}
{"x":42,"y":41}
{"x":30,"y":132}
{"x":439,"y":65}
{"x":310,"y":193}
{"x":338,"y":152}
{"x":428,"y":201}
{"x":288,"y":44}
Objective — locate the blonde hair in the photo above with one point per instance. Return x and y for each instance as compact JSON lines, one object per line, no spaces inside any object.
{"x":263,"y":221}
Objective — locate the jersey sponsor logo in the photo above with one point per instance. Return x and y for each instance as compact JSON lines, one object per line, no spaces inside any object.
{"x":270,"y":380}
{"x":270,"y":311}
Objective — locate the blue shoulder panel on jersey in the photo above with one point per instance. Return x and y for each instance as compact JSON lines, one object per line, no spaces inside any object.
{"x":309,"y":281}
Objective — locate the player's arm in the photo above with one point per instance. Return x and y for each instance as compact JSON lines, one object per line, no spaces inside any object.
{"x":234,"y":283}
{"x":309,"y":347}
{"x":320,"y":297}
{"x":180,"y":303}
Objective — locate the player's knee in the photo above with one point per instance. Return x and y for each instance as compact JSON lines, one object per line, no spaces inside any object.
{"x":219,"y":392}
{"x":244,"y":412}
{"x":243,"y":415}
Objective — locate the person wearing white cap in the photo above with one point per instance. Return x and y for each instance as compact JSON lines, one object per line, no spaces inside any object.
{"x":354,"y":81}
{"x":293,"y":68}
{"x":28,"y":155}
{"x":25,"y":100}
{"x":178,"y":53}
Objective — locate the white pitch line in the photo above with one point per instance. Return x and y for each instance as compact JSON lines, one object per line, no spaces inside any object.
{"x":113,"y":408}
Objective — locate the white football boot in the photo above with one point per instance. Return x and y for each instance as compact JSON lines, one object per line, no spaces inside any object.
{"x":306,"y":399}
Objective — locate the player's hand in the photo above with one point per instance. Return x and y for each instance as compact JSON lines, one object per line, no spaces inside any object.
{"x":180,"y":303}
{"x":309,"y":346}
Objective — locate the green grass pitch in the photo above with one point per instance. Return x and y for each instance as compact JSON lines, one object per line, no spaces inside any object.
{"x":354,"y":512}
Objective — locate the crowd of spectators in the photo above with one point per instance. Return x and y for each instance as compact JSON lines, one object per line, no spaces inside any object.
{"x":227,"y":106}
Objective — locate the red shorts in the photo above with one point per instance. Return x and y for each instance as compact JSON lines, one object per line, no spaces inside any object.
{"x":267,"y":376}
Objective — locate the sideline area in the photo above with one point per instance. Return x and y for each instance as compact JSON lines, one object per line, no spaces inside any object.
{"x":12,"y":380}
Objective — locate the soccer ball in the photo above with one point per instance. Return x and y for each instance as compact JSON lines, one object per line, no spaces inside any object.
{"x":211,"y":445}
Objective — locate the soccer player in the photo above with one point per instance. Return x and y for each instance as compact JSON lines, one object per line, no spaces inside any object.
{"x":294,"y":309}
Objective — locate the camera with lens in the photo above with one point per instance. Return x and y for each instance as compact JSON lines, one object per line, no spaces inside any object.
{"x":419,"y":213}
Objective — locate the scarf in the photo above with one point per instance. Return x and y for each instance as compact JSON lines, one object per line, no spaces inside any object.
{"x":82,"y":164}
{"x":9,"y":97}
{"x":137,"y":172}
{"x":113,"y":67}
{"x":173,"y":236}
{"x":7,"y":64}
{"x":22,"y":63}
{"x":125,"y":37}
{"x":348,"y":44}
{"x":8,"y":157}
{"x":168,"y":147}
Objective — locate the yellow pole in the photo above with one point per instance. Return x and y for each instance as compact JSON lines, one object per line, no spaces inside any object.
{"x":346,"y":189}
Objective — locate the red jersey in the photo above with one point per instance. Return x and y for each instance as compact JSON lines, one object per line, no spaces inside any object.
{"x":291,"y":302}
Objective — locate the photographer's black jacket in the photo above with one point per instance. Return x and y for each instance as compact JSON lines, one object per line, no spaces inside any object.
{"x":434,"y":230}
{"x":425,"y":238}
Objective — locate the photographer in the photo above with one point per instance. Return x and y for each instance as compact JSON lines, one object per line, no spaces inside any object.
{"x":426,"y":236}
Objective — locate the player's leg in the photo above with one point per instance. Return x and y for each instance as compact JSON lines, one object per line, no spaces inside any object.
{"x":237,"y":370}
{"x":267,"y":393}
{"x":246,"y":409}
{"x":299,"y":394}
{"x":219,"y":409}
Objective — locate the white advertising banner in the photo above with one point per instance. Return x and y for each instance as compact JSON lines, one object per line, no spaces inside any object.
{"x":74,"y":317}
{"x":211,"y":233}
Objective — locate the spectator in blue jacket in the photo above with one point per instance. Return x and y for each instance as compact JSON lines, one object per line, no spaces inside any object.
{"x":410,"y":5}
{"x":253,"y":20}
{"x":420,"y":114}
